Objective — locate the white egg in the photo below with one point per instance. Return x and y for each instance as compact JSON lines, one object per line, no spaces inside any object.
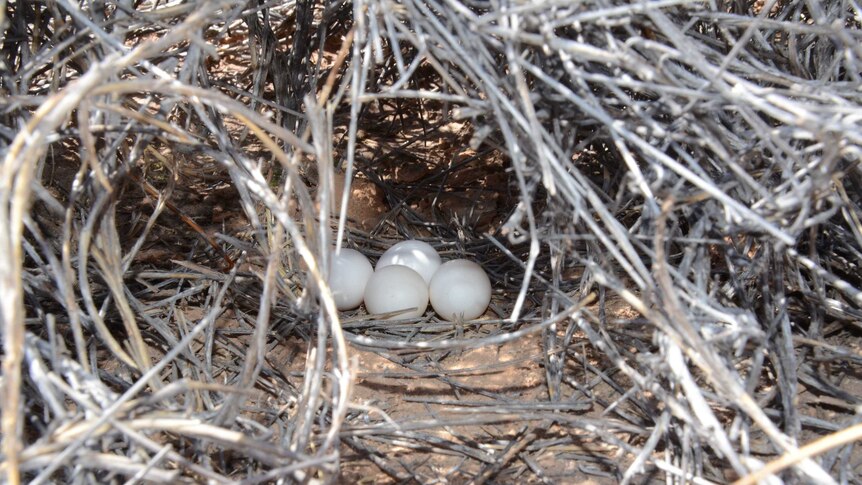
{"x":349,"y":272}
{"x":460,"y":289}
{"x":416,"y":255}
{"x":396,"y":287}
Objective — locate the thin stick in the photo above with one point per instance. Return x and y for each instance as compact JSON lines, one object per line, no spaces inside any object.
{"x":821,"y":445}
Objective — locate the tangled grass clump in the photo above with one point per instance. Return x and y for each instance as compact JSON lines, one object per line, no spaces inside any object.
{"x":667,"y":195}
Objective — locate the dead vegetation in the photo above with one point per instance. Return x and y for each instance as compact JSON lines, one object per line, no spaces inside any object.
{"x":666,"y":195}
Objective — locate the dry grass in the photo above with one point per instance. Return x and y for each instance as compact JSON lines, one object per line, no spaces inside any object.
{"x":666,"y":194}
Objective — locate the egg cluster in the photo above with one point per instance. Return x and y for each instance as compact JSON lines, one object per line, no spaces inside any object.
{"x":409,"y":275}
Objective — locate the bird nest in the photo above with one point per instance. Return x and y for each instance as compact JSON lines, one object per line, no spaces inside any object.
{"x":666,"y":195}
